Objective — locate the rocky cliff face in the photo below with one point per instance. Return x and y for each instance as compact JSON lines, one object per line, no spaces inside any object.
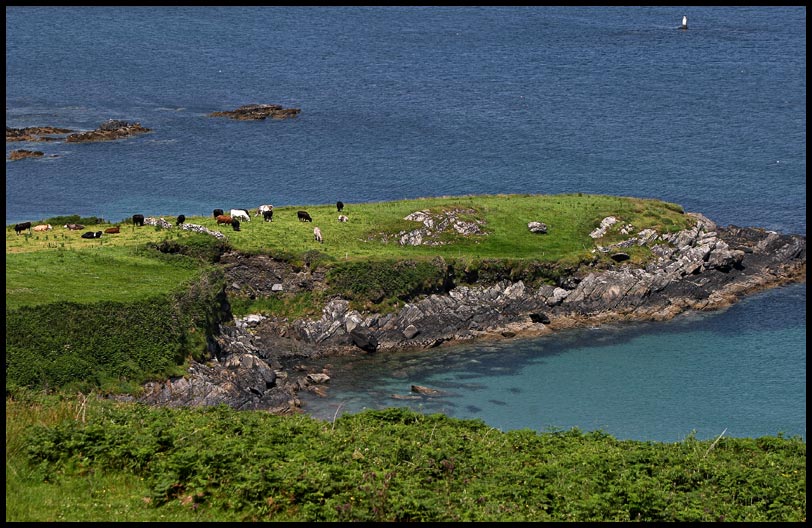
{"x":705,"y":267}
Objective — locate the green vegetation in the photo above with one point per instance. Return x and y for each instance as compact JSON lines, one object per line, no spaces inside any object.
{"x":102,"y":316}
{"x":60,"y":266}
{"x":91,"y":460}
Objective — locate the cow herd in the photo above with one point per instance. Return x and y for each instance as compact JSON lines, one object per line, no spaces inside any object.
{"x":26,"y":226}
{"x":266,"y":211}
{"x":233,"y":219}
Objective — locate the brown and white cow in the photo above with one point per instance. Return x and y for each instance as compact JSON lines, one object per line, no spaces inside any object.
{"x":43,"y":227}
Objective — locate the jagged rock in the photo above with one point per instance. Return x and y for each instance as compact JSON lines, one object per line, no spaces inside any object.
{"x":318,"y":377}
{"x":108,"y":131}
{"x":410,"y":331}
{"x":427,"y":391}
{"x":435,"y":224}
{"x":34,"y":133}
{"x":15,"y":155}
{"x":157,"y":222}
{"x":254,"y":112}
{"x":364,"y":340}
{"x":605,"y":224}
{"x":196,"y":228}
{"x":539,"y":318}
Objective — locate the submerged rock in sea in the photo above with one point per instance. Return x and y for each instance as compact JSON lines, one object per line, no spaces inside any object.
{"x":254,"y":112}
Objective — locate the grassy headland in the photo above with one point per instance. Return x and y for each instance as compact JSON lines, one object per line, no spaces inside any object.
{"x":119,"y":267}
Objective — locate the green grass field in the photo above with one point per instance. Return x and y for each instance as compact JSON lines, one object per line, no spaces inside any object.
{"x":59,"y":265}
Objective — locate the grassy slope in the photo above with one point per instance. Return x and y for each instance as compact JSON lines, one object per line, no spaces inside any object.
{"x":59,"y":265}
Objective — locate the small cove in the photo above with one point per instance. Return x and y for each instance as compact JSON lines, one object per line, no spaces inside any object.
{"x":659,"y":381}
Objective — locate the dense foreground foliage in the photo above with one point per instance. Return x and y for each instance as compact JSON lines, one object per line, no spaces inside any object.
{"x":92,"y":460}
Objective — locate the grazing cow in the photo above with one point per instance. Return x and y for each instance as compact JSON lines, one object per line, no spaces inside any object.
{"x":262,"y":209}
{"x":223,"y":219}
{"x":19,"y":228}
{"x":91,"y":234}
{"x":317,"y":235}
{"x":180,"y":220}
{"x":74,"y":227}
{"x":340,"y":206}
{"x":303,"y":216}
{"x":138,"y":219}
{"x":241,"y":213}
{"x":112,"y":230}
{"x":342,"y":218}
{"x":43,"y":227}
{"x":217,"y":212}
{"x":267,"y":216}
{"x":235,"y":224}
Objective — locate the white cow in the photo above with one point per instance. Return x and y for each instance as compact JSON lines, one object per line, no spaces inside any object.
{"x":317,"y":235}
{"x":241,"y":213}
{"x":42,"y":227}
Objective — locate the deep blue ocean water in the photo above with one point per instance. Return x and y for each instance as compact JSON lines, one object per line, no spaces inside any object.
{"x":405,"y":102}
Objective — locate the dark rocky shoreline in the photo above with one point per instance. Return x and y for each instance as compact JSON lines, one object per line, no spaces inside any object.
{"x":260,"y":362}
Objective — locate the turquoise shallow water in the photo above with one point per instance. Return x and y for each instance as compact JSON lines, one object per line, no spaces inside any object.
{"x":404,"y":102}
{"x":699,"y":373}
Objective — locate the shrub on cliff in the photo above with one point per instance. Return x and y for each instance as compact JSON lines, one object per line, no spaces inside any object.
{"x":107,"y":344}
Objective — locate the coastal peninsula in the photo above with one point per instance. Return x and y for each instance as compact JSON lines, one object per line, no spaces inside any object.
{"x":261,"y":360}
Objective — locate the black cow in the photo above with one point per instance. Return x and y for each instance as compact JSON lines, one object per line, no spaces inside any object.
{"x":340,"y":206}
{"x":22,"y":227}
{"x":217,"y":212}
{"x":303,"y":216}
{"x":180,"y":220}
{"x":91,"y":234}
{"x":267,"y":215}
{"x":235,"y":224}
{"x":138,"y":219}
